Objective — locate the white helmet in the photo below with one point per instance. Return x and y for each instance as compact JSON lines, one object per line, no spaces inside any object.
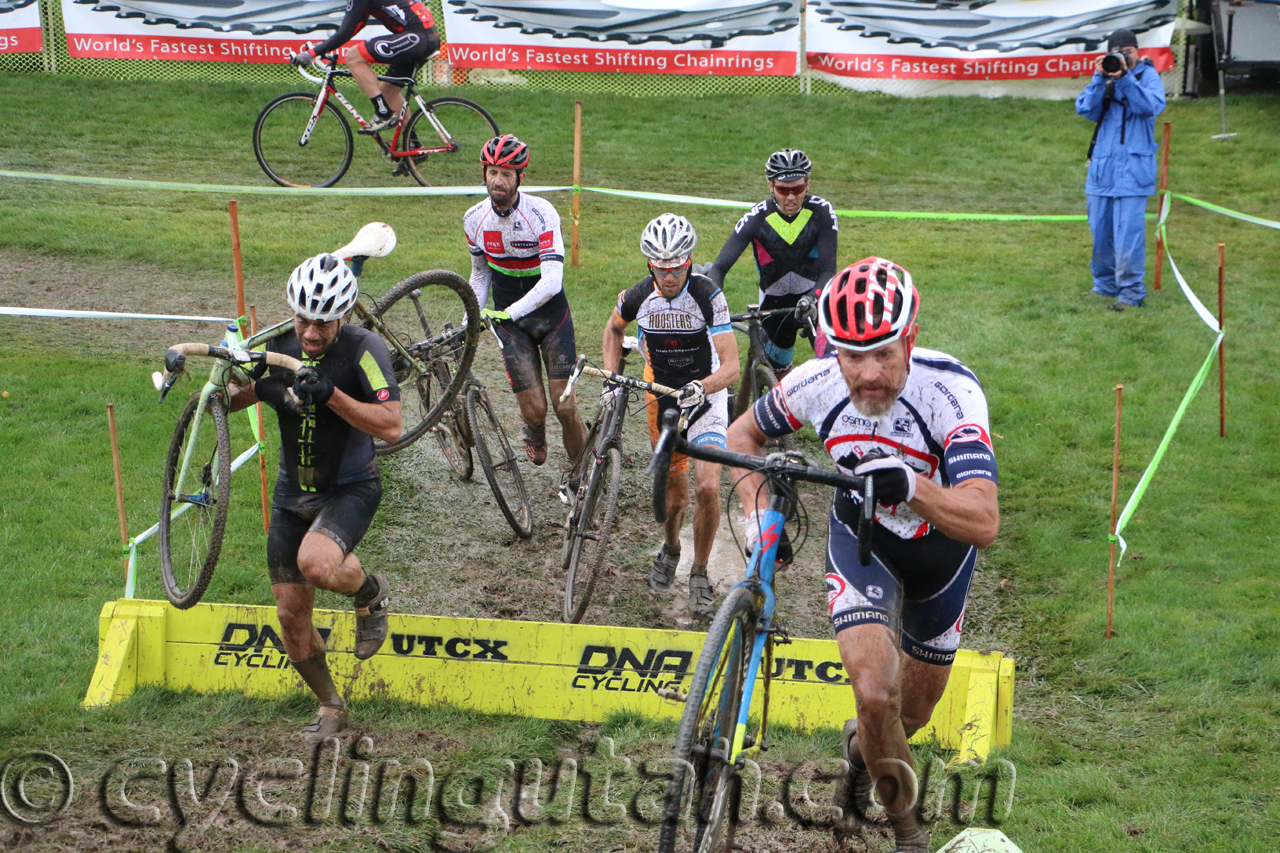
{"x":322,"y":288}
{"x":668,"y":240}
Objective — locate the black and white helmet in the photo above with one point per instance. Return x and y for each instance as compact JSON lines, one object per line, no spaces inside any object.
{"x":789,"y":164}
{"x":668,"y":240}
{"x":322,"y":288}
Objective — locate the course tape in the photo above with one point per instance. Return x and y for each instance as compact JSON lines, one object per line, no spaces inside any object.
{"x":1234,"y":214}
{"x":104,"y":315}
{"x":1191,"y":297}
{"x":1136,"y":497}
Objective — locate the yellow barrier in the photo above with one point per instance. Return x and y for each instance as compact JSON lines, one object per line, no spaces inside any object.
{"x":533,"y":669}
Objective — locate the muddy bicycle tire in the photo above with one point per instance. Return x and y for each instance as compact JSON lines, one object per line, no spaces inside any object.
{"x":500,"y":465}
{"x":591,"y":530}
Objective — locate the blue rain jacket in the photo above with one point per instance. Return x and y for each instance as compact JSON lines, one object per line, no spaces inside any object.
{"x":1124,"y":159}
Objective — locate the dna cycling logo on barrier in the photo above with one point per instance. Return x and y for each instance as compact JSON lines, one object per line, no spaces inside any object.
{"x":622,"y":669}
{"x":251,"y":646}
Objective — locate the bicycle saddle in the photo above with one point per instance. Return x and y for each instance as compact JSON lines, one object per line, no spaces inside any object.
{"x":637,"y":21}
{"x":1002,"y":25}
{"x":375,"y":240}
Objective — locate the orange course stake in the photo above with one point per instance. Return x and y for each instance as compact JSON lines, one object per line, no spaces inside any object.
{"x":235,"y":263}
{"x":1115,"y":489}
{"x":1222,"y":347}
{"x":262,"y":436}
{"x":115,"y":467}
{"x":577,"y":173}
{"x":1164,"y":199}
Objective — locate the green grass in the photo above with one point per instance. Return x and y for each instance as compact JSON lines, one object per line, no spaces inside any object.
{"x":1162,"y":738}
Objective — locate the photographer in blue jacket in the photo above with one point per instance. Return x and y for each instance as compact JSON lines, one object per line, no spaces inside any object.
{"x":1123,"y":98}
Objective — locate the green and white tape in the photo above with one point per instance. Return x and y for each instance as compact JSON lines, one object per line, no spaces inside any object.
{"x":105,"y":315}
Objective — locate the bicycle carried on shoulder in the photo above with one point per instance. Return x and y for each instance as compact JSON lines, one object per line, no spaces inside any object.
{"x":302,"y":139}
{"x":593,"y":483}
{"x":431,"y":358}
{"x":716,"y":735}
{"x":472,"y":423}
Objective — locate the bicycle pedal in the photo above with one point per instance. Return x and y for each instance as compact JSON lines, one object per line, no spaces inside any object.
{"x":672,"y":694}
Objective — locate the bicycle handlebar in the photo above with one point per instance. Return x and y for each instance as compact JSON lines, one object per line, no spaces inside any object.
{"x":175,"y":360}
{"x":639,"y":384}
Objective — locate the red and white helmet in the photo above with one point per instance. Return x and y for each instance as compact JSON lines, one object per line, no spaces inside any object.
{"x":867,"y":305}
{"x":505,"y":150}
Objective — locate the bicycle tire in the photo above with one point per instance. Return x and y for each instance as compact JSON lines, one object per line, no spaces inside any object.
{"x":276,"y":142}
{"x":467,"y":123}
{"x":454,"y":444}
{"x":764,"y":380}
{"x":598,"y":507}
{"x":498,"y":462}
{"x":413,"y":312}
{"x":710,"y":713}
{"x":201,"y":526}
{"x":578,"y":472}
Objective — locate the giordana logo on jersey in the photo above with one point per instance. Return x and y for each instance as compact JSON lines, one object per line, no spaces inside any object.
{"x":876,"y":592}
{"x":622,"y":670}
{"x":902,"y":426}
{"x":493,"y":242}
{"x":968,"y":432}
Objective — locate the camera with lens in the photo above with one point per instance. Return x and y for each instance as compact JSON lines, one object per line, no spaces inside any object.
{"x":1114,"y":61}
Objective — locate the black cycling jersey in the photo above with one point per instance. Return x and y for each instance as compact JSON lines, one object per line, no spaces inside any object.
{"x":398,"y":16}
{"x":320,"y":450}
{"x":675,"y":335}
{"x":793,"y":255}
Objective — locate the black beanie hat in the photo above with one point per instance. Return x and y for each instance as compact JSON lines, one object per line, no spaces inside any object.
{"x":1122,"y":38}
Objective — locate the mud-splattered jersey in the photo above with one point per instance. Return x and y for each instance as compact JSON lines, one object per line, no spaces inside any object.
{"x":520,"y":253}
{"x":938,"y":426}
{"x":675,"y":336}
{"x":793,"y":255}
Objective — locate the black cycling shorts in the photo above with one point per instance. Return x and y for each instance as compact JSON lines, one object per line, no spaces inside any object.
{"x":781,"y":329}
{"x":927,"y":608}
{"x":342,"y":513}
{"x":549,"y":329}
{"x":402,"y":52}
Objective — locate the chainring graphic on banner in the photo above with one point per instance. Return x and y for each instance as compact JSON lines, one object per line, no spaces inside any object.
{"x":254,"y":16}
{"x":1002,"y":25}
{"x":637,"y":21}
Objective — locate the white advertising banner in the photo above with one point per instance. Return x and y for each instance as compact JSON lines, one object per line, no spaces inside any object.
{"x":732,"y":37}
{"x":201,"y":31}
{"x":980,"y":39}
{"x":20,"y":27}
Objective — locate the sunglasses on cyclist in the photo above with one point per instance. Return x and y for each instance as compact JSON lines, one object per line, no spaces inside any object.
{"x":670,"y":272}
{"x":800,"y":190}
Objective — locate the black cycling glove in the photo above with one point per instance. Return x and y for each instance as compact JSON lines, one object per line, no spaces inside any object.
{"x":271,"y":390}
{"x":312,"y":386}
{"x":895,"y":480}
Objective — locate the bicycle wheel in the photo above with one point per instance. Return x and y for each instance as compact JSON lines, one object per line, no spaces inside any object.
{"x":762,"y":382}
{"x":701,"y":775}
{"x":501,"y":468}
{"x":453,"y":436}
{"x":194,"y":500}
{"x":421,"y":319}
{"x":592,"y":528}
{"x":465,"y":125}
{"x":580,"y":472}
{"x":319,"y":161}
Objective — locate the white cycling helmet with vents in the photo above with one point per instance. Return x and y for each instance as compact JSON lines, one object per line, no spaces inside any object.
{"x":668,"y":241}
{"x":322,"y":289}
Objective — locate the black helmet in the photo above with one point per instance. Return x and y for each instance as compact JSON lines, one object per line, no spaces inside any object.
{"x":789,"y":164}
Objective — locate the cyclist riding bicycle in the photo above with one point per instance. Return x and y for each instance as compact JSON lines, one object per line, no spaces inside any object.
{"x":412,"y":41}
{"x":915,"y":421}
{"x":517,"y":250}
{"x":687,"y":344}
{"x":329,"y":485}
{"x":793,"y":237}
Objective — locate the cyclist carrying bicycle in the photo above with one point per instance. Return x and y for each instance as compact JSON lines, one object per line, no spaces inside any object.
{"x":914,"y":420}
{"x":412,"y":41}
{"x":329,"y":485}
{"x":517,"y":250}
{"x":688,"y":344}
{"x":793,"y":237}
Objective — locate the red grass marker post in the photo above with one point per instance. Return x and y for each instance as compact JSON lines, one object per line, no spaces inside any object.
{"x":1115,"y":489}
{"x":115,"y":467}
{"x":262,"y":437}
{"x":1222,"y":348}
{"x":1164,"y":185}
{"x":235,"y":262}
{"x":577,"y":172}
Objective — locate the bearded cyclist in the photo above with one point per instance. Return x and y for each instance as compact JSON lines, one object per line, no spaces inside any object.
{"x":329,"y":485}
{"x":915,"y":421}
{"x":517,"y":251}
{"x":688,"y":344}
{"x":413,"y":40}
{"x":793,"y":237}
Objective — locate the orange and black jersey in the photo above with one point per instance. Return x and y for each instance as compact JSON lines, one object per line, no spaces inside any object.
{"x":398,"y":16}
{"x":320,"y":450}
{"x":793,"y":255}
